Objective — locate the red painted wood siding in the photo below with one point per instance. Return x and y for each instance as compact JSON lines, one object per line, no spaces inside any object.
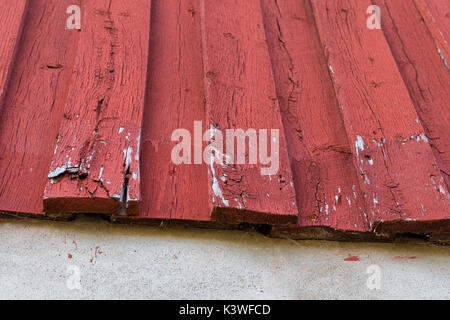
{"x":240,"y":94}
{"x":396,"y":167}
{"x":34,"y":104}
{"x":416,"y":51}
{"x":327,"y":188}
{"x":175,"y":99}
{"x":87,"y":116}
{"x":95,"y":166}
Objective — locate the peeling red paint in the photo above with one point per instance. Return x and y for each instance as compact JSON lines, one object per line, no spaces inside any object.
{"x":363,"y":116}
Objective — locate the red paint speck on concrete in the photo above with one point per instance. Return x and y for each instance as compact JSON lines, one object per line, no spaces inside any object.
{"x":352,"y":258}
{"x":69,"y":256}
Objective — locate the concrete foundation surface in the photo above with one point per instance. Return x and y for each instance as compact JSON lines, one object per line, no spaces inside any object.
{"x":92,"y":259}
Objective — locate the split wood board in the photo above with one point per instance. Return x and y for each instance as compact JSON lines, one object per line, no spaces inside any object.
{"x":95,"y":165}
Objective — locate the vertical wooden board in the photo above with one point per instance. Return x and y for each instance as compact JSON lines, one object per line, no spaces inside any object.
{"x":175,"y":99}
{"x":34,"y":105}
{"x":397,"y":170}
{"x":327,"y":188}
{"x":240,"y":94}
{"x":12,"y":18}
{"x":425,"y":75}
{"x":95,"y":166}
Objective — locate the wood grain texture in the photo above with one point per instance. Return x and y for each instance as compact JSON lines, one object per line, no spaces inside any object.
{"x":425,"y":74}
{"x":326,"y":184}
{"x":87,"y":118}
{"x":436,"y":16}
{"x":175,"y":99}
{"x":240,"y":94}
{"x":12,"y":16}
{"x":34,"y":105}
{"x":95,"y":166}
{"x":397,"y":170}
{"x":439,"y":12}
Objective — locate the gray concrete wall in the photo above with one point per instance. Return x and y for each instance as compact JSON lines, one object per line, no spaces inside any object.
{"x":41,"y":259}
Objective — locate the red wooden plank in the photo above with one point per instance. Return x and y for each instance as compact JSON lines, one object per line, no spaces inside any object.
{"x":95,"y":166}
{"x":327,"y":188}
{"x":240,"y":94}
{"x":175,"y":99}
{"x":397,"y":169}
{"x":425,"y":73}
{"x":11,"y":25}
{"x":34,"y":105}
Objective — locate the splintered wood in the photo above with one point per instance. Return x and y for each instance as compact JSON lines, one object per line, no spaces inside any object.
{"x":95,"y":166}
{"x":240,"y":94}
